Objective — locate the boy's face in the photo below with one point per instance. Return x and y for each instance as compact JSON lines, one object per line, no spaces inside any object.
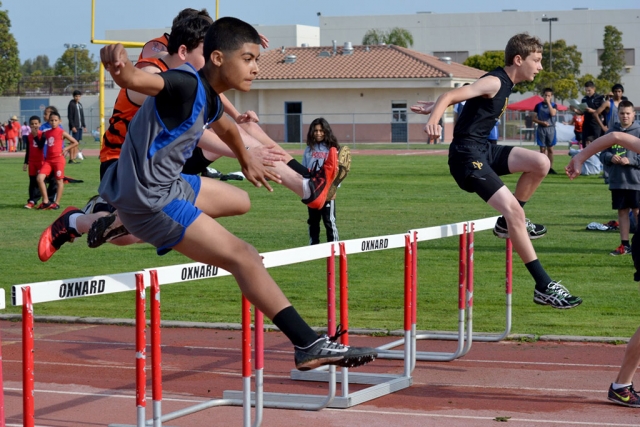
{"x":196,"y":57}
{"x":589,"y":90}
{"x":617,"y":94}
{"x":240,"y":67}
{"x":45,"y":115}
{"x":547,"y":96}
{"x":531,"y":66}
{"x":76,"y":98}
{"x":34,"y":125}
{"x":626,"y":115}
{"x":54,"y":120}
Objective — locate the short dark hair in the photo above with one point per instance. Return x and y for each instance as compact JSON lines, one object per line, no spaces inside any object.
{"x":625,"y":104}
{"x":521,"y":44}
{"x":76,"y":92}
{"x":54,"y":113}
{"x":228,"y":34}
{"x":34,"y":118}
{"x":547,"y":89}
{"x":589,"y":84}
{"x":189,"y":32}
{"x":185,"y":13}
{"x":616,"y":87}
{"x":52,"y":109}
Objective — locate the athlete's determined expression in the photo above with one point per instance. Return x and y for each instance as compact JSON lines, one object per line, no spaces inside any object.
{"x":240,"y":67}
{"x":531,"y":66}
{"x":318,"y":133}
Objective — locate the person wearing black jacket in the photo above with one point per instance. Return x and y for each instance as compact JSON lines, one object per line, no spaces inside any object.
{"x":75,"y":114}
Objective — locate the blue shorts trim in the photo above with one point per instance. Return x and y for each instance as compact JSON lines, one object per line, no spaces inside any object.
{"x":182,"y":212}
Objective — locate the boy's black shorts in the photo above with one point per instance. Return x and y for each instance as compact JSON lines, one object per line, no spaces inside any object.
{"x":476,"y":167}
{"x":625,"y":199}
{"x":196,"y":163}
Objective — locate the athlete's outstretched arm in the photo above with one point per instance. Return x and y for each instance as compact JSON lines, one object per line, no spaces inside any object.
{"x":115,"y":60}
{"x":629,"y":142}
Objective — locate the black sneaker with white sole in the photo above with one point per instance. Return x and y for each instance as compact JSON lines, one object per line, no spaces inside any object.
{"x":557,"y":296}
{"x":326,"y":351}
{"x":535,"y":231}
{"x":102,"y":231}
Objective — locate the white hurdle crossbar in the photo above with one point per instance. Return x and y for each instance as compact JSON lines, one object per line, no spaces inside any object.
{"x":464,"y":336}
{"x":379,"y":384}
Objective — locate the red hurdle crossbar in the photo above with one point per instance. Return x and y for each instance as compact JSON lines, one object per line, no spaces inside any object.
{"x":141,"y":351}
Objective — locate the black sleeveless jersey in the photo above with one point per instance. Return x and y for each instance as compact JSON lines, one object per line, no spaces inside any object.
{"x":480,"y":114}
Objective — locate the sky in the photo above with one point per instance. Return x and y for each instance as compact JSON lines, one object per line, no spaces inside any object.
{"x":42,"y":27}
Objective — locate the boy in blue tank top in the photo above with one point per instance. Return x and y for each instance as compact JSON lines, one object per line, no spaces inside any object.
{"x":161,"y":206}
{"x":476,"y":165}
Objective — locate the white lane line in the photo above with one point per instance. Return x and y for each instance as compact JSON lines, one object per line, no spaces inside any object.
{"x":117,"y":396}
{"x":527,"y":421}
{"x":514,"y":362}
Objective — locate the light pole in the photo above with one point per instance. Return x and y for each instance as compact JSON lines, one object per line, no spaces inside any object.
{"x":548,"y":19}
{"x":75,"y":48}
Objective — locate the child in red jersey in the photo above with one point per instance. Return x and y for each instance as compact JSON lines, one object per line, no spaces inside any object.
{"x":54,"y":160}
{"x":33,"y":159}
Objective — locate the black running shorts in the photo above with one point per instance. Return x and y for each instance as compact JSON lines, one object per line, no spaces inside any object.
{"x":476,"y":167}
{"x":625,"y":199}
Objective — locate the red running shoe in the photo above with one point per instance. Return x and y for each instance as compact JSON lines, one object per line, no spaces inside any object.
{"x":321,"y":180}
{"x":57,"y":234}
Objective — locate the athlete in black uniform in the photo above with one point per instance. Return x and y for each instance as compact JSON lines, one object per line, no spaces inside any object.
{"x":476,"y":165}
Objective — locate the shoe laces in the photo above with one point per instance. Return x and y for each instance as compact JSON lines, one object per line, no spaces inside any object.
{"x":332,"y":340}
{"x":559,"y":289}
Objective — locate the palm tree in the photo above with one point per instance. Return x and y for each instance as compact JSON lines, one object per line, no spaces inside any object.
{"x":396,"y":36}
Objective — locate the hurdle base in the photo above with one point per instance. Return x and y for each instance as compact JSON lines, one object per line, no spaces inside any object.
{"x":305,"y":401}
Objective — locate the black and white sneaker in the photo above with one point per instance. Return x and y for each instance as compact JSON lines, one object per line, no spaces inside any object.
{"x":103,"y":230}
{"x":326,"y":351}
{"x":557,"y":296}
{"x":535,"y":231}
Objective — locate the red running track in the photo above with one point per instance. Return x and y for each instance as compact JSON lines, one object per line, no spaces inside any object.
{"x":84,"y":376}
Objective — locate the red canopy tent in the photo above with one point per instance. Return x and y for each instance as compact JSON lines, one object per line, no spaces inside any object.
{"x":529,"y":104}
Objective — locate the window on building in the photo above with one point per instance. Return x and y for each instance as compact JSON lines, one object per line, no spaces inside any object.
{"x":456,"y":56}
{"x":629,"y":56}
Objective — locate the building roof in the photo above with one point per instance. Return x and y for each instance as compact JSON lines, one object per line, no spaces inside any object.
{"x":365,"y":62}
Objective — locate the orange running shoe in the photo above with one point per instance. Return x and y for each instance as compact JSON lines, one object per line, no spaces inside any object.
{"x":321,"y":180}
{"x":57,"y":234}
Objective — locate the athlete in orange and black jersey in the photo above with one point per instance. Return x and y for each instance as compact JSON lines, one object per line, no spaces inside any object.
{"x":154,"y":46}
{"x":123,"y":111}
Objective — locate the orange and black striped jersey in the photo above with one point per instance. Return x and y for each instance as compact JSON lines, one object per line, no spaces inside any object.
{"x":154,"y":47}
{"x":123,"y":111}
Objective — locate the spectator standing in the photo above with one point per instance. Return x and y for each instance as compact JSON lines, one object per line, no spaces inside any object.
{"x":25,"y":131}
{"x":75,"y":114}
{"x":545,"y":118}
{"x":624,"y":175}
{"x":12,"y":134}
{"x":609,"y":108}
{"x":528,"y":125}
{"x":591,"y":126}
{"x":577,"y":121}
{"x":33,"y":159}
{"x":320,"y":140}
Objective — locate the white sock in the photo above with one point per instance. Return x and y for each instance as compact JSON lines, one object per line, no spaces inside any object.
{"x":72,"y":221}
{"x":617,"y":386}
{"x":306,"y":191}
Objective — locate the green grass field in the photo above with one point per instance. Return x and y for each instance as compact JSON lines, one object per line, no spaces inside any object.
{"x":383,"y":195}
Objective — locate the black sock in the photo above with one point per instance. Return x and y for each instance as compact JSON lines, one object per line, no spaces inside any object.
{"x":291,"y":324}
{"x":625,"y":242}
{"x":539,"y":275}
{"x":521,"y":203}
{"x":502,"y":222}
{"x":297,"y":166}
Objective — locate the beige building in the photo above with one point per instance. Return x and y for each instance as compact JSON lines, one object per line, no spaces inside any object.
{"x":363,"y":91}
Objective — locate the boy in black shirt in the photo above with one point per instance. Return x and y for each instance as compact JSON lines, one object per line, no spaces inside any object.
{"x":476,"y":165}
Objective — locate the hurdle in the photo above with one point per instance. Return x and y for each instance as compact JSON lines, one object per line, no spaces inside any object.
{"x":156,"y":370}
{"x":2,"y":419}
{"x":465,"y":335}
{"x":28,"y":294}
{"x":379,"y":384}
